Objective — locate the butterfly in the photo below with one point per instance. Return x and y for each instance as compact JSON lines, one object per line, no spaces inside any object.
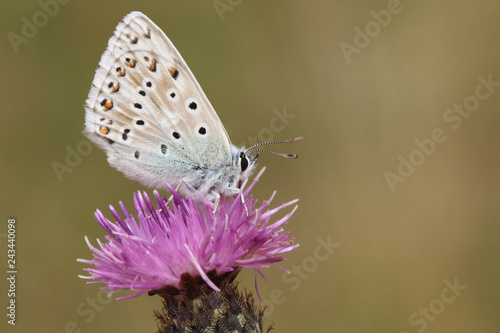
{"x":151,"y":117}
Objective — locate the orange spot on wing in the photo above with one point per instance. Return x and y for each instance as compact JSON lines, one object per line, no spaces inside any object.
{"x":152,"y":67}
{"x":108,"y":105}
{"x":104,"y":130}
{"x":174,"y":73}
{"x":131,"y":63}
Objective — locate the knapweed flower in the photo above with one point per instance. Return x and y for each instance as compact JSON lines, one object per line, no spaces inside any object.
{"x":184,"y":250}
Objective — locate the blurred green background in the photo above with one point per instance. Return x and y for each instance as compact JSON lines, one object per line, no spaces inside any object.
{"x":360,"y":86}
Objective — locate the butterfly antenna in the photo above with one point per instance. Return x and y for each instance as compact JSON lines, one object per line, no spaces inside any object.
{"x":252,"y":148}
{"x":275,"y":153}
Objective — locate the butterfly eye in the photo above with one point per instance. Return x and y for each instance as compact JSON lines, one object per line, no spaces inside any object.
{"x":243,"y":162}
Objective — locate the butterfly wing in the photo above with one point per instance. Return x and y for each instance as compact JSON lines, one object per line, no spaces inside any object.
{"x":148,"y":112}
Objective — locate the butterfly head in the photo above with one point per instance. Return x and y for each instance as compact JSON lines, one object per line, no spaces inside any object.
{"x":246,"y":163}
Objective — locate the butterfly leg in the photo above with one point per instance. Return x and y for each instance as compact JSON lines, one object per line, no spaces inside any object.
{"x":242,"y":196}
{"x":172,"y":196}
{"x":216,"y":203}
{"x":235,"y":191}
{"x":191,"y":188}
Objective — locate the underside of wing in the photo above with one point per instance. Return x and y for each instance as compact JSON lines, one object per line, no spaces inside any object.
{"x":148,"y":112}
